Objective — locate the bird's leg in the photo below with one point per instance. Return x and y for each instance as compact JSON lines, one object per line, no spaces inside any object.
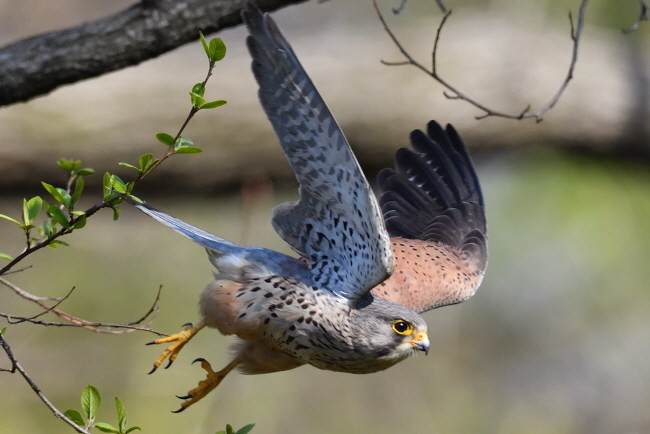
{"x":206,"y":386}
{"x":179,"y":340}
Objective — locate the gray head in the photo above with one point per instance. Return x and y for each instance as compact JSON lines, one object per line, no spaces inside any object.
{"x":388,"y":332}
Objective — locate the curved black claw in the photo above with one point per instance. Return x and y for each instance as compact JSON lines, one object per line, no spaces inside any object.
{"x":152,"y":370}
{"x":151,"y":343}
{"x":188,"y":325}
{"x":169,"y":363}
{"x":200,"y":359}
{"x":188,"y":396}
{"x":179,"y":410}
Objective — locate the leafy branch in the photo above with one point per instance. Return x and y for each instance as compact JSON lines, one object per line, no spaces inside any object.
{"x":63,"y":218}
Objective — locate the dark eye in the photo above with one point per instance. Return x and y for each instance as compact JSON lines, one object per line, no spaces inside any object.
{"x":402,"y":327}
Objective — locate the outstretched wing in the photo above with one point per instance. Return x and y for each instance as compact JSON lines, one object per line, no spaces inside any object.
{"x":337,"y":224}
{"x":433,"y":207}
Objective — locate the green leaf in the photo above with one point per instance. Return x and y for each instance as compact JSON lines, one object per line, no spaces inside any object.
{"x":81,"y":222}
{"x":229,"y":430}
{"x":199,"y":89}
{"x":59,"y":194}
{"x":78,"y":189}
{"x":57,"y":215}
{"x":197,"y":100}
{"x":116,"y":212}
{"x":121,"y":414}
{"x":106,"y":183}
{"x":55,"y":243}
{"x":118,"y":185}
{"x":90,"y":400}
{"x":6,"y":217}
{"x":75,"y":416}
{"x":133,"y":428}
{"x":106,"y":427}
{"x":205,"y":44}
{"x":85,"y":171}
{"x":48,"y":228}
{"x":128,"y":165}
{"x":245,"y":429}
{"x":3,"y":331}
{"x":5,"y":256}
{"x":217,"y":50}
{"x":189,"y":150}
{"x":213,"y":104}
{"x":68,"y":165}
{"x":146,"y":161}
{"x":165,"y":139}
{"x":31,"y":209}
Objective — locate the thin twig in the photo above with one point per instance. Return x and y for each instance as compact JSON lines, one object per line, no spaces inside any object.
{"x":15,"y":366}
{"x":457,"y":94}
{"x":72,"y":321}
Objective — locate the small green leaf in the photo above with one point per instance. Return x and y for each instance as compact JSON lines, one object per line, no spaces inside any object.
{"x":78,"y":189}
{"x":245,"y":429}
{"x":59,"y":194}
{"x":116,"y":212}
{"x":199,"y":89}
{"x":75,"y":416}
{"x":217,"y":50}
{"x":48,"y":228}
{"x":229,"y":430}
{"x":90,"y":400}
{"x":189,"y":150}
{"x":165,"y":139}
{"x":85,"y":171}
{"x":68,"y":165}
{"x":106,"y":427}
{"x":213,"y":104}
{"x":118,"y":185}
{"x":145,"y":162}
{"x":133,"y":428}
{"x":81,"y":222}
{"x":197,"y":100}
{"x":5,"y":256}
{"x":106,"y":183}
{"x":57,"y":215}
{"x":205,"y":44}
{"x":121,"y":413}
{"x":31,"y":209}
{"x":55,"y":243}
{"x":6,"y":217}
{"x":129,"y":166}
{"x":3,"y":331}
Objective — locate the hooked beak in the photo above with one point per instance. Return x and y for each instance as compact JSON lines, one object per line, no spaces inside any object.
{"x":420,"y":342}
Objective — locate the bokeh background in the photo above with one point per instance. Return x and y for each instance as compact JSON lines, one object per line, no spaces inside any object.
{"x":557,"y":340}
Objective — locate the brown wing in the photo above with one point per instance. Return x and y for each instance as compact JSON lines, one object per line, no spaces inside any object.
{"x":433,"y":209}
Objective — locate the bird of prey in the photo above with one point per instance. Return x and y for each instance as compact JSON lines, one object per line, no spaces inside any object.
{"x":350,"y":301}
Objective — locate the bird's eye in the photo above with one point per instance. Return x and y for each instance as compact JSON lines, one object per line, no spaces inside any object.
{"x":402,"y":327}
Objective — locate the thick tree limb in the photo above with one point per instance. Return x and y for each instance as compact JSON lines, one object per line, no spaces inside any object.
{"x":37,"y":65}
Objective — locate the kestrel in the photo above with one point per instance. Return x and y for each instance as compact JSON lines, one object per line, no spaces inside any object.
{"x":351,"y":301}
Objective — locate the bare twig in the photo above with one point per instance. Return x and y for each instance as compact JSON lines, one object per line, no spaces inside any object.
{"x":643,"y":16}
{"x":72,"y":321}
{"x":457,"y":94}
{"x":15,"y":366}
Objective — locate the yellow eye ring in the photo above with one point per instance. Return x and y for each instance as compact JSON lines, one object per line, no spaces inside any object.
{"x":402,"y":327}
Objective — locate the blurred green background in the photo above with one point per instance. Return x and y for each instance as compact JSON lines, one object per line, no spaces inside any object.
{"x":557,"y":339}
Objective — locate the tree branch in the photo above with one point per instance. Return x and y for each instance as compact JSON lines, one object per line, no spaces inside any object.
{"x":457,"y":94}
{"x":37,"y":65}
{"x":15,"y":366}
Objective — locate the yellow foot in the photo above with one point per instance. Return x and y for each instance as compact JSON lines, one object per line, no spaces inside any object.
{"x":179,"y":340}
{"x":205,"y":386}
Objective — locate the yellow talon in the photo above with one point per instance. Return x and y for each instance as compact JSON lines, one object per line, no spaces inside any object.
{"x":206,"y":386}
{"x":179,"y":340}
